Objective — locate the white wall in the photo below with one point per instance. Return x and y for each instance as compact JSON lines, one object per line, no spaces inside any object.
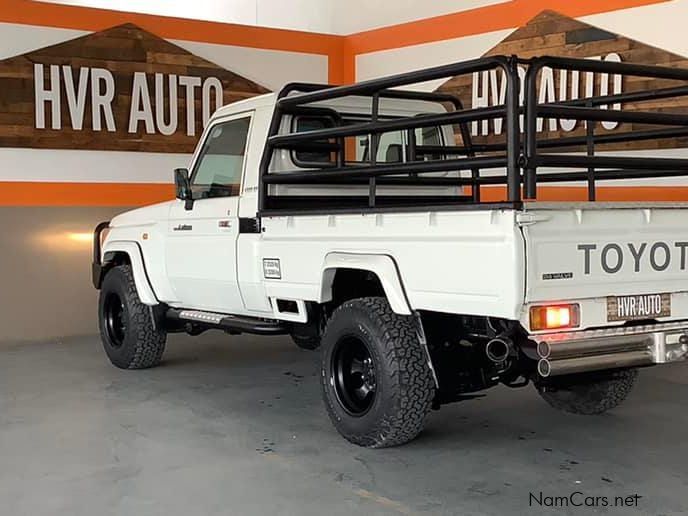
{"x":307,"y":15}
{"x":405,"y":59}
{"x":328,"y":16}
{"x":666,"y":30}
{"x":361,"y":15}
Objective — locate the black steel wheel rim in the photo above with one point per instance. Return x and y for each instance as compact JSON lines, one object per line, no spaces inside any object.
{"x":115,"y":319}
{"x":353,"y":375}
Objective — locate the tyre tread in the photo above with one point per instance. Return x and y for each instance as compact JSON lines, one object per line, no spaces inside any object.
{"x":594,"y":397}
{"x":148,"y":341}
{"x":413,"y":388}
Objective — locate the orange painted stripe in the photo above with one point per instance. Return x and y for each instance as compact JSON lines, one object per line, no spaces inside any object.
{"x":83,"y":194}
{"x":480,"y":20}
{"x":84,"y":18}
{"x":348,"y":63}
{"x":604,"y":193}
{"x":340,"y":50}
{"x":141,"y":194}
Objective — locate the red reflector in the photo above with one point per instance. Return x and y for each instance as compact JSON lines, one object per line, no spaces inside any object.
{"x":554,"y":317}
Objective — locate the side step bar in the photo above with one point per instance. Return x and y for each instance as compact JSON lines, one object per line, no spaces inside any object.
{"x":228,"y":322}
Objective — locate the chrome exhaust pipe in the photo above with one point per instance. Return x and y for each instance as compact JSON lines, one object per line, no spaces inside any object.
{"x":612,"y":348}
{"x":574,"y":349}
{"x":499,"y":349}
{"x":556,"y":367}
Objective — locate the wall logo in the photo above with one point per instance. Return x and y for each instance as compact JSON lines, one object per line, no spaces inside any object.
{"x":550,"y":33}
{"x":555,"y":85}
{"x":119,"y":89}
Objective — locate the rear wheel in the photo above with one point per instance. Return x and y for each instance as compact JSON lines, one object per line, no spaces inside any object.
{"x":377,"y":383}
{"x":127,"y":330}
{"x":589,"y":393}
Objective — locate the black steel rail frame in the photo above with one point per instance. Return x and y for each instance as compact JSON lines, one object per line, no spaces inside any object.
{"x":519,"y":155}
{"x":583,"y":110}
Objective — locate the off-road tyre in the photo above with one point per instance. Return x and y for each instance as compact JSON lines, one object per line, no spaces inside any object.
{"x":138,"y":344}
{"x":309,"y":336}
{"x":306,"y":342}
{"x":589,"y":393}
{"x":404,"y":383}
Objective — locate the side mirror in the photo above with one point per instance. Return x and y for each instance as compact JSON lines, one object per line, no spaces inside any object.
{"x":183,"y":186}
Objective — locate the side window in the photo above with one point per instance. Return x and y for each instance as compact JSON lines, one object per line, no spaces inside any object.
{"x":221,"y":161}
{"x":391,"y":146}
{"x":430,"y":136}
{"x":312,"y":123}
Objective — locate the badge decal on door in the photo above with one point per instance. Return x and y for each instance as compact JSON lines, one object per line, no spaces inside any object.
{"x":271,"y":268}
{"x":183,"y":227}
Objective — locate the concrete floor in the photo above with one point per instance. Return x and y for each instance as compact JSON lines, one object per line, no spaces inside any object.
{"x":235,"y":425}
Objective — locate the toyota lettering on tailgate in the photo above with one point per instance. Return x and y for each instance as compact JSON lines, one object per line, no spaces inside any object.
{"x":642,"y":256}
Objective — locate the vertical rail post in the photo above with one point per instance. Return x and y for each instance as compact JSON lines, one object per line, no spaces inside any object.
{"x":341,"y":158}
{"x":590,"y":143}
{"x":513,"y":136}
{"x":266,"y":158}
{"x":468,"y":145}
{"x":374,"y":143}
{"x":411,"y":149}
{"x":411,"y":153}
{"x":531,"y":113}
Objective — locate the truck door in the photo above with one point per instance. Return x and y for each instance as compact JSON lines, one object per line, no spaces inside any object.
{"x":201,"y":245}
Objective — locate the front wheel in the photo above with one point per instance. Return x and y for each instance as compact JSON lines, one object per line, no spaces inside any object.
{"x":127,"y":330}
{"x":589,"y":393}
{"x":377,"y":383}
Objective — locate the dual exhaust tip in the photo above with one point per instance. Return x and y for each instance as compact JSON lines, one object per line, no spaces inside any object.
{"x":547,"y":367}
{"x":499,"y":349}
{"x":613,"y":352}
{"x":562,"y":357}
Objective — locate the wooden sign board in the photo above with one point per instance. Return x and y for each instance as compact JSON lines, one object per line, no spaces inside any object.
{"x":550,"y":33}
{"x":118,"y":89}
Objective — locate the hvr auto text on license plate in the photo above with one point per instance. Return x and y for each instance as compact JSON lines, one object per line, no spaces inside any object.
{"x":643,"y":306}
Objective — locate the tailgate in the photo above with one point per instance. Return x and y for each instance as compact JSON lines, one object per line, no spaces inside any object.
{"x":598,"y":250}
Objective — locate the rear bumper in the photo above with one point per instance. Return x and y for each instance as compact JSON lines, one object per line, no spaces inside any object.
{"x":609,"y":348}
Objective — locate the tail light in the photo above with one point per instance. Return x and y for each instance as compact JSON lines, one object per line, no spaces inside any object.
{"x":554,"y":317}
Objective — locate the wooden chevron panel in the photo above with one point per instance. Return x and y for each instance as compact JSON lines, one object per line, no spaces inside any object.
{"x":111,"y":90}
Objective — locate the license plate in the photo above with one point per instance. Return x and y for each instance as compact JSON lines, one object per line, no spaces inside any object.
{"x":644,"y":306}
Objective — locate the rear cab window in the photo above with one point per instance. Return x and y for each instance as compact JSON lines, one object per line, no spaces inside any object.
{"x":392,"y":146}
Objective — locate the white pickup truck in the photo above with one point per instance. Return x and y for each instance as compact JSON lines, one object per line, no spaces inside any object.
{"x":354,"y":218}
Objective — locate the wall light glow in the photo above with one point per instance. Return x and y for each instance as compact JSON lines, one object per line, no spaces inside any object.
{"x":80,"y":237}
{"x":61,"y":240}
